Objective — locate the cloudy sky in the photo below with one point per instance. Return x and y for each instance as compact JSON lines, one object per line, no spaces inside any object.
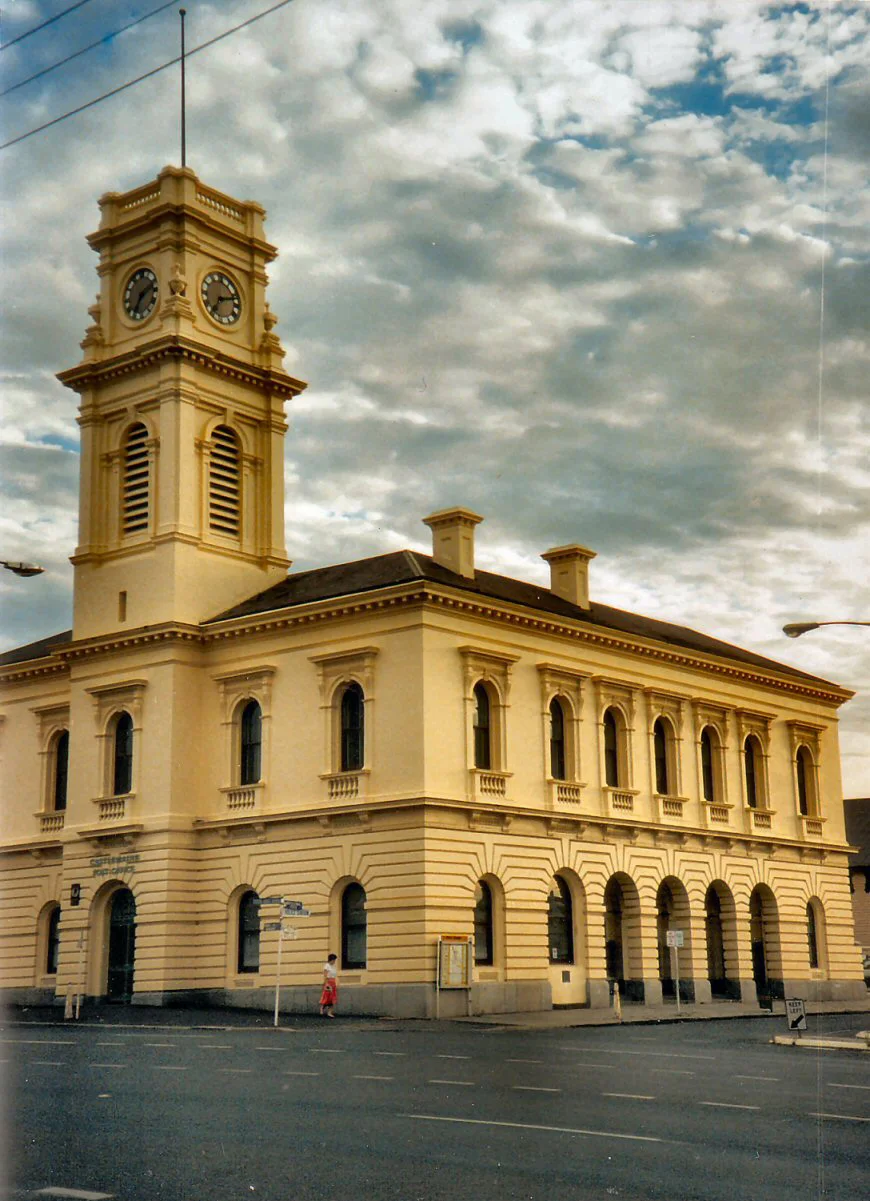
{"x":596,"y":270}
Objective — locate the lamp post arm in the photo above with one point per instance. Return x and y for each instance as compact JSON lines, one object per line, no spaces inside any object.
{"x":796,"y":628}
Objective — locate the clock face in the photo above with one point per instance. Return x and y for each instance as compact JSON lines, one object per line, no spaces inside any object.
{"x":140,"y":294}
{"x":221,"y":298}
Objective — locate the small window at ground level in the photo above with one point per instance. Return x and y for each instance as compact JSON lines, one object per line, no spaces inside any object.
{"x":53,"y":942}
{"x":249,"y":933}
{"x":353,"y":927}
{"x":483,"y":927}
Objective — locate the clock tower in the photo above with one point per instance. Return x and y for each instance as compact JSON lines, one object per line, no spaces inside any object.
{"x":181,"y":500}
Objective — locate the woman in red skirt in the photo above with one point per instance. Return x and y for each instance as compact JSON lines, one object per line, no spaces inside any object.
{"x":329,"y":995}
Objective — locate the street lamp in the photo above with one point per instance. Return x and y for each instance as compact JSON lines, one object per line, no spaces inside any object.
{"x":795,"y":628}
{"x":22,"y":568}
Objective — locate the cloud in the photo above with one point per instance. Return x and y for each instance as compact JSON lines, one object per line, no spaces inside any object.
{"x":561,"y":263}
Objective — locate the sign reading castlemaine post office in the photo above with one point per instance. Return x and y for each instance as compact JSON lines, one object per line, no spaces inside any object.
{"x":114,"y":865}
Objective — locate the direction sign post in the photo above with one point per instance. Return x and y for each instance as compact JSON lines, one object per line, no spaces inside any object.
{"x":285,"y":932}
{"x":674,"y":939}
{"x":796,"y":1013}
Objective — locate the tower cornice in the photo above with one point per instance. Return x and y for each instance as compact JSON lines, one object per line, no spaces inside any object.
{"x":173,"y":346}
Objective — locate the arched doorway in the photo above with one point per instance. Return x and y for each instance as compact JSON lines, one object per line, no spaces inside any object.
{"x":122,"y":946}
{"x":622,"y":947}
{"x":672,"y":913}
{"x":764,"y":937}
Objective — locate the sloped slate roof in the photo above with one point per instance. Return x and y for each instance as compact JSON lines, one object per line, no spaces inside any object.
{"x":35,"y":650}
{"x":857,"y":812}
{"x":404,"y":566}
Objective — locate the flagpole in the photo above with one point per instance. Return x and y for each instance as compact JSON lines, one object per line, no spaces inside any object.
{"x":182,"y":13}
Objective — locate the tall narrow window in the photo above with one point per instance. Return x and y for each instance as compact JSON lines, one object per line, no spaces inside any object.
{"x":660,"y":749}
{"x":708,"y":779}
{"x":136,"y":488}
{"x":122,"y":779}
{"x":352,"y":728}
{"x":750,"y":765}
{"x":560,"y":922}
{"x":557,"y":740}
{"x":223,"y":482}
{"x":353,"y":927}
{"x":805,"y":781}
{"x":482,"y":729}
{"x":249,"y":933}
{"x":483,"y":928}
{"x":611,"y":750}
{"x":812,"y":936}
{"x":61,"y":770}
{"x":53,"y":942}
{"x":251,"y":739}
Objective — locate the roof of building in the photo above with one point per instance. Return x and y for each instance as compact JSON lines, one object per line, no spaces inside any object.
{"x":405,"y":566}
{"x":857,"y":814}
{"x":35,"y":650}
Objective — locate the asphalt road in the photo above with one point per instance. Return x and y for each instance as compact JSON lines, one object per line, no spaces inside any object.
{"x":355,"y":1111}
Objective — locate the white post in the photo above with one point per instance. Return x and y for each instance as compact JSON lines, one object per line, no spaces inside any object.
{"x":675,"y":951}
{"x":81,"y":982}
{"x":617,"y":1003}
{"x":278,"y":973}
{"x":438,"y":979}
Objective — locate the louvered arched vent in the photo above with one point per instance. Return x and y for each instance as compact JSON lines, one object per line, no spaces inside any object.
{"x":136,"y":498}
{"x":223,"y":482}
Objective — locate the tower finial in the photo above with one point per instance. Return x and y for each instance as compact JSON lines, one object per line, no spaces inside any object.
{"x":182,"y":12}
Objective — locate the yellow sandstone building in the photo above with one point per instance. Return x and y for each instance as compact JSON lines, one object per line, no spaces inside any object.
{"x":410,"y":746}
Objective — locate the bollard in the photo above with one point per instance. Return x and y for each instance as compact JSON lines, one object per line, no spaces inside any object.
{"x":68,"y":1006}
{"x":617,"y":1003}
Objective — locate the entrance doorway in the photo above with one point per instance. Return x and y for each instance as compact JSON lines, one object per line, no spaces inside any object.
{"x":122,"y":946}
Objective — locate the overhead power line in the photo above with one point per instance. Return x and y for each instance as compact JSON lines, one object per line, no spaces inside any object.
{"x":78,"y":53}
{"x":148,"y":75}
{"x":51,"y":20}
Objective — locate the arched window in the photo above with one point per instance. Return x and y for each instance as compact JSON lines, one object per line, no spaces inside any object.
{"x":61,"y":770}
{"x":136,"y":486}
{"x":53,"y":941}
{"x":223,"y":482}
{"x":122,"y":776}
{"x":812,"y":936}
{"x":611,"y":749}
{"x":660,"y":750}
{"x":249,"y":933}
{"x":482,"y":728}
{"x":750,"y":768}
{"x":352,"y":728}
{"x":805,"y":781}
{"x":708,"y":777}
{"x":483,"y":924}
{"x":560,"y":922}
{"x":353,"y":927}
{"x":557,"y":740}
{"x":251,"y":740}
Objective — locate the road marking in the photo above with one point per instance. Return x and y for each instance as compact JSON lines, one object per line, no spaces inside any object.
{"x":453,"y":1057}
{"x":773,"y":1079}
{"x":726,"y":1105}
{"x":302,"y":1073}
{"x":159,"y":1044}
{"x":638,"y":1138}
{"x":464,"y":1083}
{"x":270,"y":1048}
{"x":373,"y":1077}
{"x":41,"y":1042}
{"x":327,"y":1051}
{"x":164,"y":1067}
{"x":47,"y":1063}
{"x":864,"y":1087}
{"x":653,"y":1054}
{"x":216,"y":1046}
{"x":114,"y":1042}
{"x":580,"y":1063}
{"x":241,"y":1071}
{"x":393,"y":1054}
{"x":107,"y":1065}
{"x":631,"y":1096}
{"x":840,"y":1117}
{"x":671,"y":1072}
{"x":524,"y":1061}
{"x":79,"y":1194}
{"x":531,"y":1088}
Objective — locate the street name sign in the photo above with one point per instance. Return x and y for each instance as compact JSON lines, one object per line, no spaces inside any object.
{"x":674,"y":938}
{"x":271,"y":925}
{"x":269,"y":901}
{"x":295,"y":909}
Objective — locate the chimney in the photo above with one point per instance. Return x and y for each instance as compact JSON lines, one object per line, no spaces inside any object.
{"x":569,"y":573}
{"x":453,"y":539}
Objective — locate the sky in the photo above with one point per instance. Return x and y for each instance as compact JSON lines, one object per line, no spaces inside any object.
{"x":598,"y":271}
